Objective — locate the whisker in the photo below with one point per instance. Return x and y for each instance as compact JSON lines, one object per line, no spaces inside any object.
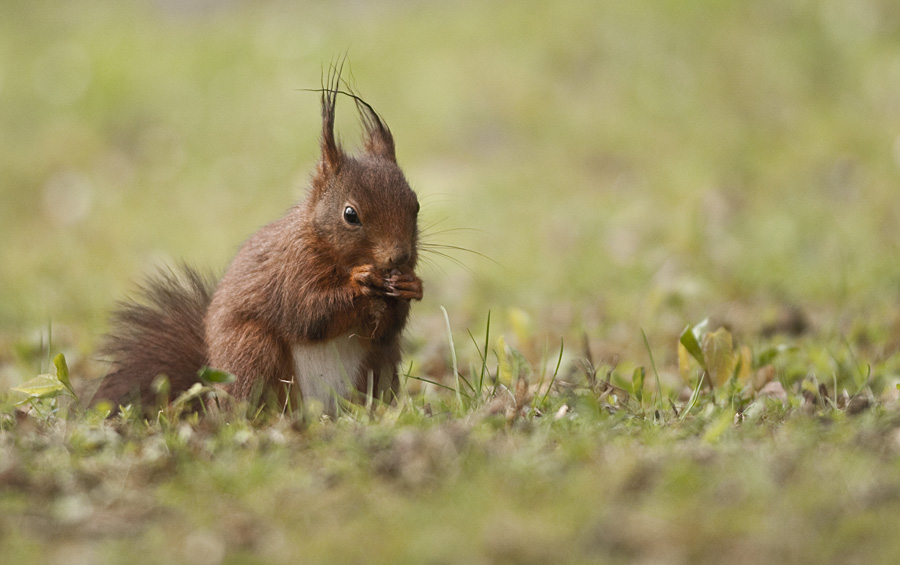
{"x":430,"y":226}
{"x":432,"y":246}
{"x":432,"y":264}
{"x":424,"y":231}
{"x":427,"y":198}
{"x":450,"y":258}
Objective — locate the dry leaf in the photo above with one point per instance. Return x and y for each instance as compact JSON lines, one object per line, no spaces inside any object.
{"x":745,"y":372}
{"x":774,"y":390}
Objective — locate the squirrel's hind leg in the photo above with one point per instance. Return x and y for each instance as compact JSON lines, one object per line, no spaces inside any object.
{"x":255,"y":357}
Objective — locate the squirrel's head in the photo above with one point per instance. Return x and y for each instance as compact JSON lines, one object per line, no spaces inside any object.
{"x":361,"y":205}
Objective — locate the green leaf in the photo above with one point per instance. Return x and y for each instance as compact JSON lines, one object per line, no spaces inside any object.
{"x":700,"y":329}
{"x":694,"y":396}
{"x":718,"y":352}
{"x":522,"y":368}
{"x":637,"y":382}
{"x":195,"y":391}
{"x":684,"y":363}
{"x":42,"y":386}
{"x":62,"y":373}
{"x":691,"y":338}
{"x":215,"y":376}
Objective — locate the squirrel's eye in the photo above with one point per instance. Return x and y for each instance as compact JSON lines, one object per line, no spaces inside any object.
{"x":351,"y":217}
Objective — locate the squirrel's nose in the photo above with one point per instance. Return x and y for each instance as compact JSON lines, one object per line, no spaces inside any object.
{"x":398,"y":258}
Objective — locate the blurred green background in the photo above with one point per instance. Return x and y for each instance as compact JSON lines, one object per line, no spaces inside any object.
{"x":623,"y":165}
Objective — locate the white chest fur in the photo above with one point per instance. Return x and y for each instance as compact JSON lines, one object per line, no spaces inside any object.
{"x":329,"y":368}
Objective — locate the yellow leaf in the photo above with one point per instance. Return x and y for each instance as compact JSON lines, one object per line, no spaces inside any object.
{"x":505,"y":373}
{"x":684,"y":363}
{"x":521,"y":324}
{"x":41,"y":386}
{"x":718,"y":352}
{"x":62,"y":372}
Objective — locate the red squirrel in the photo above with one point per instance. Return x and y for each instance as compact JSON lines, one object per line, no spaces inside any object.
{"x":311,"y":307}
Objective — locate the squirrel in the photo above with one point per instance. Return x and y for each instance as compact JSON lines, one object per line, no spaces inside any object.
{"x":313,"y":305}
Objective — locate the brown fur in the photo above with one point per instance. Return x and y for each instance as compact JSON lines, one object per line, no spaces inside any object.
{"x":306,"y":278}
{"x":161,"y":336}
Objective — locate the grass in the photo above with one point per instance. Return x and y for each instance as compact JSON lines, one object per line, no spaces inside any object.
{"x":603,"y":480}
{"x":624,"y":171}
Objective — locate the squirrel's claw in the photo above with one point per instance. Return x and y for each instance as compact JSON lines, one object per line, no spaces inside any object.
{"x":371,"y":282}
{"x":407,"y":287}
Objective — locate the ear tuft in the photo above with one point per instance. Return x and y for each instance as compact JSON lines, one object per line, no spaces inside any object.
{"x":379,"y":141}
{"x":332,"y":154}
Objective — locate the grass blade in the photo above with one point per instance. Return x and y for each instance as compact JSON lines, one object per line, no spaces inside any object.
{"x":653,"y":366}
{"x":453,"y":356}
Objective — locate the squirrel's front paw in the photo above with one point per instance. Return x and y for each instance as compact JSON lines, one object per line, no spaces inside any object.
{"x":407,"y":287}
{"x":370,"y":280}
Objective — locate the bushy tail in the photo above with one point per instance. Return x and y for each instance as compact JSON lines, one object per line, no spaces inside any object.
{"x":162,"y":334}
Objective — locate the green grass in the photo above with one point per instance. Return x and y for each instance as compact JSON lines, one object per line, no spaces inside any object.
{"x":624,"y":170}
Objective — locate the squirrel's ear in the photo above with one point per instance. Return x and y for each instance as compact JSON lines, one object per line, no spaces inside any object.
{"x":332,"y":155}
{"x":379,"y":141}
